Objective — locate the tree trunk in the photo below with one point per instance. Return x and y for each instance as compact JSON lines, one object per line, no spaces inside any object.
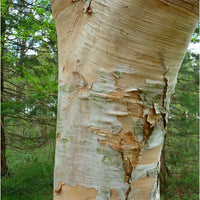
{"x":118,"y":63}
{"x":4,"y":167}
{"x":164,"y":173}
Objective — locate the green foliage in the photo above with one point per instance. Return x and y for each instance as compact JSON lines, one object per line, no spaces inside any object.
{"x":29,"y":55}
{"x":182,"y":142}
{"x":31,"y":175}
{"x":29,"y":67}
{"x":11,"y":107}
{"x":195,"y":37}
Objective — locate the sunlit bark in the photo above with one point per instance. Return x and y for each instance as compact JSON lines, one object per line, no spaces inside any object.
{"x":118,"y":62}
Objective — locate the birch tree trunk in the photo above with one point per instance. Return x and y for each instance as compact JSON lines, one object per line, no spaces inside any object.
{"x":118,"y":63}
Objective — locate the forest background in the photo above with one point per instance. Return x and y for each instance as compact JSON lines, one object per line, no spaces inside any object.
{"x":29,"y":103}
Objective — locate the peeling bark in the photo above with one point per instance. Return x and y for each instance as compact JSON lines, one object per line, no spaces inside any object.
{"x":59,"y":188}
{"x":118,"y":69}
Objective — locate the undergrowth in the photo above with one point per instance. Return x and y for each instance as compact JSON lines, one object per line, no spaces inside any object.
{"x":30,"y":175}
{"x":182,"y":161}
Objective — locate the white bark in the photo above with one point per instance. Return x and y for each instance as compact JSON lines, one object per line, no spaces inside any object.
{"x":118,"y":62}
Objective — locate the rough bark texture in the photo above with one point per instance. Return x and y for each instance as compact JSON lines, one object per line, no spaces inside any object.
{"x":118,"y":62}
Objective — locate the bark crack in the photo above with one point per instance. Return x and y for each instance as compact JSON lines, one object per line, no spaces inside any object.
{"x":127,"y":192}
{"x":87,"y":8}
{"x":128,"y":168}
{"x":164,"y":96}
{"x":147,"y":129}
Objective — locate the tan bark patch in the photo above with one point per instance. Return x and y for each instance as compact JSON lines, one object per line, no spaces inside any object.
{"x":152,"y":117}
{"x":142,"y":188}
{"x":150,"y":156}
{"x":114,"y":194}
{"x":120,"y":143}
{"x":137,"y":81}
{"x":127,"y":124}
{"x":57,"y":137}
{"x":146,"y":128}
{"x":135,"y":109}
{"x":117,"y":94}
{"x":75,"y":192}
{"x":129,"y":149}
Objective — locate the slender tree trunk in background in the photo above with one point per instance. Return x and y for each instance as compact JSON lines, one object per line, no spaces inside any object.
{"x":118,"y":63}
{"x":4,"y":167}
{"x":164,"y":173}
{"x":43,"y":131}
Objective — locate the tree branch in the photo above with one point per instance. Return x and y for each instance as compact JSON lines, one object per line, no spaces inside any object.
{"x":6,"y":9}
